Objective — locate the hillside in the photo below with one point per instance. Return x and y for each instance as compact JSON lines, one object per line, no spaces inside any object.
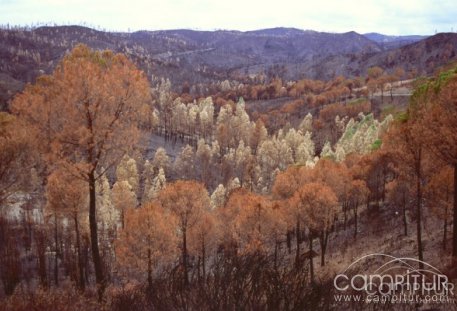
{"x":393,"y":41}
{"x":119,"y":193}
{"x":205,"y":57}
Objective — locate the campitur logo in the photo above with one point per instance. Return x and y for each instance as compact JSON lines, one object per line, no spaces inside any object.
{"x":395,"y":280}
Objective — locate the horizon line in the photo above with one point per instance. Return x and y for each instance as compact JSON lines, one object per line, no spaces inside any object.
{"x":36,"y":25}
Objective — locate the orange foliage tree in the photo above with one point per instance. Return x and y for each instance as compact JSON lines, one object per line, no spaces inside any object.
{"x":14,"y":155}
{"x":187,"y":201}
{"x":439,"y":191}
{"x":358,"y":193}
{"x":406,"y":142}
{"x":148,"y":239}
{"x":441,"y":136}
{"x":203,"y":239}
{"x":317,"y":204}
{"x":255,"y":224}
{"x":67,"y":195}
{"x":84,"y":117}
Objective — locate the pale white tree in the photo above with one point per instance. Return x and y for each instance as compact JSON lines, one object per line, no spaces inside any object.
{"x":294,"y":139}
{"x":179,"y":116}
{"x":154,"y":118}
{"x":241,"y":159}
{"x":165,"y":102}
{"x":225,"y":86}
{"x":340,"y":123}
{"x":273,"y":154}
{"x":158,"y":183}
{"x":107,"y":215}
{"x":327,"y":151}
{"x":123,"y":198}
{"x":206,"y":113}
{"x":127,"y":171}
{"x":360,"y":135}
{"x":218,"y":197}
{"x":147,"y":177}
{"x":223,"y":127}
{"x":305,"y":151}
{"x":240,"y":124}
{"x":203,"y":161}
{"x":184,"y":163}
{"x":233,"y":184}
{"x":232,"y":127}
{"x":306,"y":124}
{"x":215,"y":149}
{"x":192,"y":113}
{"x":161,"y":160}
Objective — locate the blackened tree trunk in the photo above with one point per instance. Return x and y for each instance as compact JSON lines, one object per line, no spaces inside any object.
{"x":149,"y":268}
{"x":355,"y":209}
{"x":297,"y":251}
{"x":445,"y":228}
{"x":184,"y":256}
{"x":323,"y":240}
{"x":289,"y":242}
{"x":311,"y":264}
{"x":56,"y":254}
{"x":98,"y":267}
{"x":405,"y":221}
{"x":82,"y":282}
{"x":203,"y":259}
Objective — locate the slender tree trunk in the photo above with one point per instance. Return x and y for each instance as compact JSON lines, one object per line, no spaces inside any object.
{"x":122,"y":219}
{"x":454,"y":232}
{"x":297,"y":251}
{"x":86,"y":260}
{"x":405,"y":222}
{"x":355,"y":220}
{"x":149,"y":268}
{"x":289,"y":242}
{"x":199,"y":273}
{"x":98,"y":267}
{"x":56,"y":257}
{"x":311,"y":264}
{"x":391,"y":94}
{"x":275,"y":263}
{"x":419,"y":211}
{"x":323,"y":239}
{"x":345,"y":215}
{"x":203,"y":259}
{"x":184,"y":256}
{"x":445,"y":229}
{"x":41,"y":254}
{"x":78,"y":250}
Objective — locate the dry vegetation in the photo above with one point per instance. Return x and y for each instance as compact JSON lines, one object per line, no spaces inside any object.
{"x":255,"y":212}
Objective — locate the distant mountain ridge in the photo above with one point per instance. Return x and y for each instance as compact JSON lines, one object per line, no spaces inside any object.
{"x":379,"y":37}
{"x":388,"y":42}
{"x":202,"y":57}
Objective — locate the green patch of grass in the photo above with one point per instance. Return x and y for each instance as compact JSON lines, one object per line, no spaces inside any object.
{"x":376,"y":145}
{"x":401,"y":116}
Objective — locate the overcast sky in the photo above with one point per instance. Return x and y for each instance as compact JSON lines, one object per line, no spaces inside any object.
{"x":394,"y":17}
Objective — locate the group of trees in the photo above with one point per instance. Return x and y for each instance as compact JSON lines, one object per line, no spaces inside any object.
{"x":297,"y":97}
{"x":224,"y":222}
{"x":424,"y":144}
{"x":314,"y":92}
